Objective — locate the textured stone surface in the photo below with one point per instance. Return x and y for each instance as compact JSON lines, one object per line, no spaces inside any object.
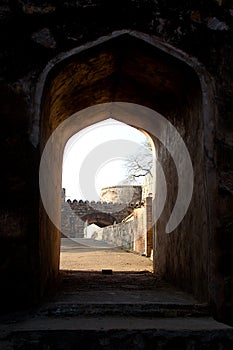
{"x":195,"y":27}
{"x":77,"y":214}
{"x":112,"y":313}
{"x":45,"y":38}
{"x":121,"y":194}
{"x":134,"y":233}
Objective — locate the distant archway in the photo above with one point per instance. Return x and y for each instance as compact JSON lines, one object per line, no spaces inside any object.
{"x":100,"y":219}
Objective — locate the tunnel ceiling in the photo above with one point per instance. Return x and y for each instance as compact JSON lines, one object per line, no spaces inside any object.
{"x":123,"y":69}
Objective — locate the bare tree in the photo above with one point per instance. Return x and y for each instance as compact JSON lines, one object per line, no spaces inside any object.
{"x":139,"y":164}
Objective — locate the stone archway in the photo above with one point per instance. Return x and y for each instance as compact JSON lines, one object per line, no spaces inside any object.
{"x":136,"y":69}
{"x":100,"y":219}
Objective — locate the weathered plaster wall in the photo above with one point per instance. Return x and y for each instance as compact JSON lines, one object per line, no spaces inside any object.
{"x":130,"y":234}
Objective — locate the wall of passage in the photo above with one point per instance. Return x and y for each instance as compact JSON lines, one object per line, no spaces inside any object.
{"x":196,"y":32}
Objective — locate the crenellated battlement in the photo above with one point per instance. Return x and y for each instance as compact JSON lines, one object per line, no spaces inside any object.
{"x":77,"y":213}
{"x":103,"y":205}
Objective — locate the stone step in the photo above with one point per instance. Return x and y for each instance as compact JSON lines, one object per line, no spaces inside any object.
{"x":115,"y":333}
{"x":125,"y":309}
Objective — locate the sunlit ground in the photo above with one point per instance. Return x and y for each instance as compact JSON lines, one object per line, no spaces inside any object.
{"x":78,"y":257}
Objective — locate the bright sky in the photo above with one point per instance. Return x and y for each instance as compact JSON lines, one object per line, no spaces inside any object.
{"x":94,"y":158}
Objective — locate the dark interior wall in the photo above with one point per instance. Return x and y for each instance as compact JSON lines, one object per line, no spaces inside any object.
{"x":19,"y":176}
{"x":31,"y":34}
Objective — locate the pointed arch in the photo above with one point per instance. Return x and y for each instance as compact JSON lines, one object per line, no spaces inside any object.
{"x":135,"y":68}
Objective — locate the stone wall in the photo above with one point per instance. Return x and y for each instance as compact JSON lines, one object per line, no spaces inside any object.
{"x":121,"y":194}
{"x":77,"y":214}
{"x":121,"y":235}
{"x":148,"y":187}
{"x":133,"y":233}
{"x":193,"y":35}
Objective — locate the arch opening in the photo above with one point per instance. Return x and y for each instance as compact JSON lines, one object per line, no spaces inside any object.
{"x":135,"y":72}
{"x":112,"y":203}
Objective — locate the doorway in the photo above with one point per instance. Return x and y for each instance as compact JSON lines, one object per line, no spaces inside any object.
{"x":152,"y":84}
{"x":107,"y":199}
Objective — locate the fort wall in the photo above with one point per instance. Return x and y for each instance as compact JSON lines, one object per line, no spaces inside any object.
{"x":134,"y":233}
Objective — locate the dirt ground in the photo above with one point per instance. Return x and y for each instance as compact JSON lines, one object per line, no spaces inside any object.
{"x":78,"y":257}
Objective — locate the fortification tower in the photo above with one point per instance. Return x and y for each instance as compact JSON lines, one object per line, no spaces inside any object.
{"x":121,"y":194}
